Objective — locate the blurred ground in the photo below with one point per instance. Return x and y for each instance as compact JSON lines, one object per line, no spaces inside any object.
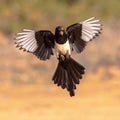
{"x":26,"y":89}
{"x":96,"y":99}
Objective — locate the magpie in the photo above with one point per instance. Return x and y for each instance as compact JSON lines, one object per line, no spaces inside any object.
{"x":44,"y":44}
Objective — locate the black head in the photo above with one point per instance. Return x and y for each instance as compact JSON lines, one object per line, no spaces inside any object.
{"x":60,"y":35}
{"x":59,"y":31}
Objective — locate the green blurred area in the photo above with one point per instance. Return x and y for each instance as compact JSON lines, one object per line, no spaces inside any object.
{"x":43,"y":14}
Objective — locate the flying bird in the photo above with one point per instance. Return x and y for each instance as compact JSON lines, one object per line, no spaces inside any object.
{"x":74,"y":38}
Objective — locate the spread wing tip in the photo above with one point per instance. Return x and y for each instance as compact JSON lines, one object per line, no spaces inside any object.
{"x":25,"y":40}
{"x":91,"y":28}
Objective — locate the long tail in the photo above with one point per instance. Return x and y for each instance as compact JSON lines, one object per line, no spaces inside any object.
{"x":67,"y":75}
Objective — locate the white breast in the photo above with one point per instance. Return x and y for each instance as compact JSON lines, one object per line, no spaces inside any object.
{"x":63,"y":48}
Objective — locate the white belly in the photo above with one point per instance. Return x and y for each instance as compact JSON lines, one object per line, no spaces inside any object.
{"x":63,"y":48}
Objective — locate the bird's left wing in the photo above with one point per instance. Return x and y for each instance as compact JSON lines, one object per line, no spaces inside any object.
{"x":40,"y":43}
{"x":81,"y":33}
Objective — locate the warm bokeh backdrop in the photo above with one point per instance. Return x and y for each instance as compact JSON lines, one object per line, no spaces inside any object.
{"x":26,"y":89}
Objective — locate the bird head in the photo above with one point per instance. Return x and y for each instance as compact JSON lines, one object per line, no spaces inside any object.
{"x":59,"y":31}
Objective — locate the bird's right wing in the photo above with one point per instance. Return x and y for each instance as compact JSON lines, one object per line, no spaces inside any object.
{"x":40,"y":43}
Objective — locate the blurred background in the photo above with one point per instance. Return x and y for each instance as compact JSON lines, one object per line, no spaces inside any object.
{"x":26,"y":89}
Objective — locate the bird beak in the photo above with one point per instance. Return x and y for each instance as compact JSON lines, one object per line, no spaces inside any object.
{"x":61,"y":32}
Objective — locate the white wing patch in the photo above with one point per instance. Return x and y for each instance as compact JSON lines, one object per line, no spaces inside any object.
{"x":26,"y":40}
{"x":90,"y":28}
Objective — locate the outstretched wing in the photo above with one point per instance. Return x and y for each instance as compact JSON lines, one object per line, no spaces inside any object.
{"x":39,"y":43}
{"x":81,"y":33}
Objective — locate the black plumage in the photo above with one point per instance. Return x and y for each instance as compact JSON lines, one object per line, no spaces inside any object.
{"x":45,"y":41}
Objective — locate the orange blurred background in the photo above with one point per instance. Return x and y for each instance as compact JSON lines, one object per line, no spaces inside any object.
{"x":26,"y":89}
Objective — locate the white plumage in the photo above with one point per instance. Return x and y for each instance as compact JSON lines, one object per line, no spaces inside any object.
{"x":26,"y":40}
{"x":62,"y":48}
{"x":90,"y":28}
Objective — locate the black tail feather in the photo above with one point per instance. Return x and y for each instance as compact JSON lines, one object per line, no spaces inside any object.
{"x":71,"y":85}
{"x":60,"y":77}
{"x":63,"y":80}
{"x":67,"y":75}
{"x":72,"y":73}
{"x":55,"y":77}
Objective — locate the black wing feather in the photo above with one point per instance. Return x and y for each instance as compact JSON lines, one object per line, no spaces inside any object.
{"x":45,"y":41}
{"x":81,"y":33}
{"x":40,"y":43}
{"x":74,"y":35}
